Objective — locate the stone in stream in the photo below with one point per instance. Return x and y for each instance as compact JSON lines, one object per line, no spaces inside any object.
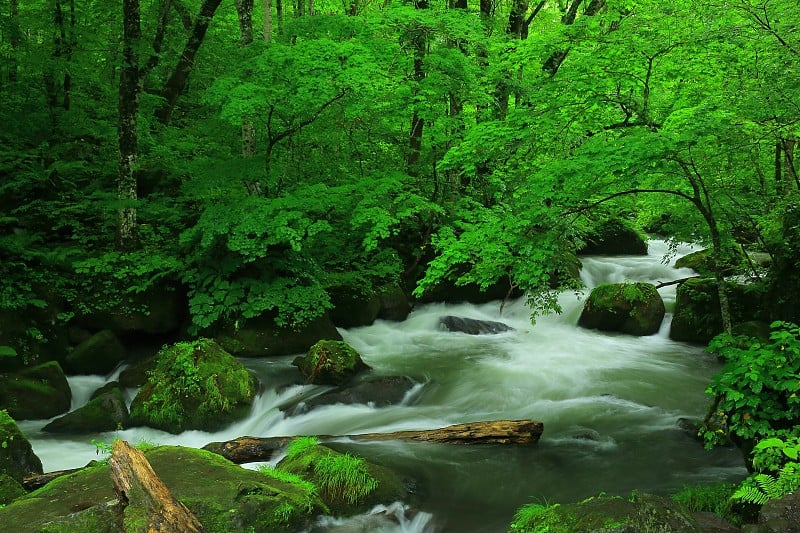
{"x":472,"y":326}
{"x":378,"y":392}
{"x":632,"y":308}
{"x":36,"y":392}
{"x":16,"y":455}
{"x":330,"y":362}
{"x":106,"y":411}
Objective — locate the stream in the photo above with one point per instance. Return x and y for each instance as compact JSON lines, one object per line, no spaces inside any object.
{"x":609,"y":404}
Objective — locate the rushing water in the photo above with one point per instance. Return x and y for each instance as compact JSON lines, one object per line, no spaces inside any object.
{"x":609,"y":404}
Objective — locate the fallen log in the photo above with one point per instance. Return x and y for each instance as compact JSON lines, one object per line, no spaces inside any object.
{"x":519,"y":432}
{"x":31,"y":483}
{"x":136,"y":484}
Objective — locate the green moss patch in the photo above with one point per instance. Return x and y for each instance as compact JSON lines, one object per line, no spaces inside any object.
{"x":194,"y":385}
{"x":330,"y":362}
{"x":632,"y":308}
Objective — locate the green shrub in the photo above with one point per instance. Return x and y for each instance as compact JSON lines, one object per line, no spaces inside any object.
{"x":715,"y":498}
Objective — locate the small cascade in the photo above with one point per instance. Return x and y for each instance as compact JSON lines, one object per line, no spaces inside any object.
{"x":609,"y":404}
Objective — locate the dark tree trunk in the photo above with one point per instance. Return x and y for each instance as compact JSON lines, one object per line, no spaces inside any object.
{"x":14,"y":34}
{"x":419,"y":43}
{"x":177,"y":81}
{"x":244,"y":10}
{"x":130,"y":88}
{"x":553,"y":63}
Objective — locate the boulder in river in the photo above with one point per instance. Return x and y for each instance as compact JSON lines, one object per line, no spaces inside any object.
{"x":632,"y":308}
{"x":261,"y":337}
{"x":395,"y":304}
{"x":614,"y":237}
{"x":472,"y":326}
{"x":330,"y":363}
{"x":16,"y":455}
{"x":106,"y":411}
{"x":37,"y":392}
{"x":99,"y":354}
{"x":352,"y":308}
{"x":195,"y":385}
{"x":224,"y":497}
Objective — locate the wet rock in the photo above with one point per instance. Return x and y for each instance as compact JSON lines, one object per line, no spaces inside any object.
{"x":352,"y":309}
{"x":614,"y":237}
{"x":632,"y":308}
{"x":16,"y":455}
{"x":37,"y":392}
{"x":238,"y":499}
{"x":644,"y":512}
{"x":713,"y":523}
{"x":394,"y":303}
{"x":106,"y":411}
{"x":136,"y":374}
{"x":260,"y":337}
{"x":330,"y":363}
{"x":10,"y":489}
{"x":380,"y":392}
{"x":100,"y":354}
{"x":781,"y":515}
{"x":472,"y":326}
{"x":195,"y":385}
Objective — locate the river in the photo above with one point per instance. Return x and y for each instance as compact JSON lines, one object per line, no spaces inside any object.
{"x":609,"y":404}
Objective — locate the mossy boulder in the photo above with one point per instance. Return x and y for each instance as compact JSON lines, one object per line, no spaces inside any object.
{"x":614,"y":237}
{"x":394,"y":303}
{"x":702,"y":262}
{"x":10,"y":489}
{"x":37,"y":392}
{"x":106,"y":411}
{"x":352,"y":308}
{"x":16,"y":455}
{"x":194,"y":385}
{"x":330,"y":363}
{"x":632,"y":308}
{"x":224,"y":497}
{"x":644,"y":512}
{"x":348,"y":485}
{"x":99,"y":354}
{"x":261,"y":337}
{"x":136,"y":374}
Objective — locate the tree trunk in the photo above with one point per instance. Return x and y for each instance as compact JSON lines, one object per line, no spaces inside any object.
{"x":130,"y":88}
{"x":553,"y":63}
{"x":136,"y":484}
{"x":177,"y":81}
{"x":279,"y":15}
{"x":419,"y":43}
{"x":14,"y":33}
{"x":244,"y":10}
{"x":516,"y":432}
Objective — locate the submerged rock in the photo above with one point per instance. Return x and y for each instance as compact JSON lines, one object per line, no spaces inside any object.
{"x":224,"y":497}
{"x":472,"y":326}
{"x":330,"y":363}
{"x":195,"y":385}
{"x":106,"y":411}
{"x":632,"y":308}
{"x":379,"y":392}
{"x":37,"y":392}
{"x":16,"y":455}
{"x":395,"y":305}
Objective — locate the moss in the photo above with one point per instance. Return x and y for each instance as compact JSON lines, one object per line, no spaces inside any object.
{"x":37,"y":392}
{"x":633,"y":308}
{"x":16,"y":455}
{"x":347,"y":484}
{"x":236,"y":500}
{"x":330,"y":362}
{"x":10,"y":489}
{"x":194,"y":385}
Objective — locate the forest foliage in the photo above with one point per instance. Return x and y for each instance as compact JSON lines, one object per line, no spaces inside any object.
{"x":265,"y":159}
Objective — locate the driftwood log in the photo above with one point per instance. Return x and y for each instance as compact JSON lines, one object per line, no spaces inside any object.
{"x":520,"y":432}
{"x":136,"y":484}
{"x":31,"y":483}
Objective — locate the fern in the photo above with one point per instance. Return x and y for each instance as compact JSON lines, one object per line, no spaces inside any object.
{"x":761,"y":488}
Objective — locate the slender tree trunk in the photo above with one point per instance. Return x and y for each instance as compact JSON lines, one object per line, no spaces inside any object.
{"x":419,"y":43}
{"x":553,"y":63}
{"x":14,"y":33}
{"x":311,"y":8}
{"x":177,"y":81}
{"x":244,"y":11}
{"x":130,"y":87}
{"x":788,"y":161}
{"x":279,"y":15}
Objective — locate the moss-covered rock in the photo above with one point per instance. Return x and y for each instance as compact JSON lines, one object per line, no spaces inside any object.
{"x":330,"y":363}
{"x":632,"y":308}
{"x":233,"y":500}
{"x":104,"y":412}
{"x":10,"y":489}
{"x":614,"y":237}
{"x":644,"y":512}
{"x":701,"y":262}
{"x":37,"y":392}
{"x":136,"y":374}
{"x":99,"y":354}
{"x":352,"y":308}
{"x":394,"y":303}
{"x":16,"y":455}
{"x":261,"y":337}
{"x":347,"y":484}
{"x":195,"y":385}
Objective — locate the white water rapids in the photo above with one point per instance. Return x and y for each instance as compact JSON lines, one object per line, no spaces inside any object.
{"x":609,"y":404}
